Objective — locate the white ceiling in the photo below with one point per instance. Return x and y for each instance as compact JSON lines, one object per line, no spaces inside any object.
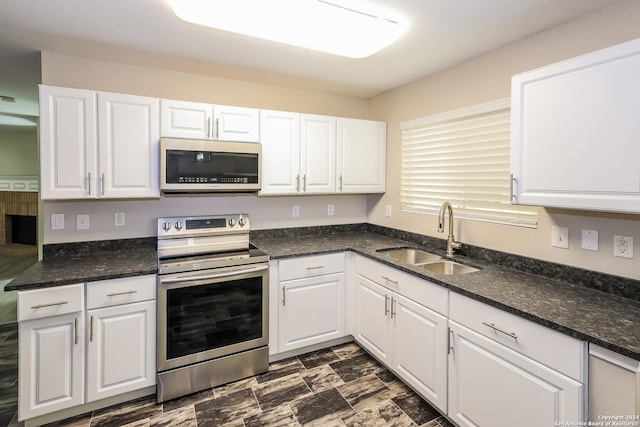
{"x":443,"y":33}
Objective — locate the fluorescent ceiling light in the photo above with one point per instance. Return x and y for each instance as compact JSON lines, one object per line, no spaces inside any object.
{"x":351,"y":28}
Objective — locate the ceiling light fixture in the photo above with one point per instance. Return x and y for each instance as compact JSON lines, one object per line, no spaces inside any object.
{"x":350,"y":28}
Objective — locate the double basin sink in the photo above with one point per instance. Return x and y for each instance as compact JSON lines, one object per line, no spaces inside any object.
{"x":428,"y":261}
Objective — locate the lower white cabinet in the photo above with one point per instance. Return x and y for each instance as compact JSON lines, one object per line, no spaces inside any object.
{"x":69,"y":356}
{"x":311,"y":300}
{"x":51,"y":364}
{"x":408,"y":337}
{"x":121,"y":349}
{"x":493,"y":384}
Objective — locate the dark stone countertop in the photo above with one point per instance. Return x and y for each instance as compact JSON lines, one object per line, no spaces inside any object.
{"x":607,"y":320}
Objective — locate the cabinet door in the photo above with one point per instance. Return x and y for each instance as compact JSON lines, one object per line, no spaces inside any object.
{"x":51,"y":365}
{"x":280,"y":139}
{"x":574,"y":132}
{"x":311,"y":311}
{"x":180,"y":119}
{"x":318,"y":154}
{"x":361,"y":156}
{"x":420,"y":349}
{"x":372,"y":321}
{"x":68,"y":165}
{"x":129,"y":141}
{"x":236,"y":123}
{"x":121,"y":350}
{"x":491,"y":385}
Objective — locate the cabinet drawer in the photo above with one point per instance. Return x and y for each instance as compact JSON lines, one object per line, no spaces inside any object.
{"x":558,"y":351}
{"x":421,"y":291}
{"x":317,"y":265}
{"x":127,"y":290}
{"x":49,"y":302}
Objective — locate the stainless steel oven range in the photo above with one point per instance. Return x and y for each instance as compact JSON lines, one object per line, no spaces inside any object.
{"x":213,"y":289}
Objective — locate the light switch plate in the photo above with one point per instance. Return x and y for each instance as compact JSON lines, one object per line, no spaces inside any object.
{"x":57,"y":221}
{"x":590,"y":240}
{"x":82,"y":222}
{"x":560,"y":237}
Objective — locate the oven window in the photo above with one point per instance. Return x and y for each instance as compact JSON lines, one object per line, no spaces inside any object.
{"x":211,"y":316}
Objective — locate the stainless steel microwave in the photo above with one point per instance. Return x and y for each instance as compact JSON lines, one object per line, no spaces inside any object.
{"x":198,"y":166}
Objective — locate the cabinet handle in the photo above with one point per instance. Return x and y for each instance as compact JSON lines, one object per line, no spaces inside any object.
{"x":208,"y":127}
{"x":284,"y":296}
{"x":91,"y":328}
{"x":75,"y":324}
{"x":89,"y":182}
{"x":102,"y":184}
{"x":113,"y":294}
{"x":386,"y":305}
{"x":317,"y":267}
{"x":52,"y":304}
{"x":511,"y":181}
{"x":217,"y":128}
{"x":450,"y":341}
{"x":298,"y":183}
{"x":393,"y":306}
{"x":502,"y":331}
{"x":340,"y":179}
{"x":304,"y":182}
{"x":389,"y":280}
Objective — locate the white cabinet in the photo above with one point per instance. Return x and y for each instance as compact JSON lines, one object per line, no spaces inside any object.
{"x":68,"y":357}
{"x":574,"y":136}
{"x":129,"y":146}
{"x":280,"y":139}
{"x":311,"y":303}
{"x":182,"y":119}
{"x":95,"y":145}
{"x":506,"y":371}
{"x":395,"y":319}
{"x":51,"y":350}
{"x":121,"y":342}
{"x":361,"y":156}
{"x":68,"y":143}
{"x":317,"y":154}
{"x":614,"y":385}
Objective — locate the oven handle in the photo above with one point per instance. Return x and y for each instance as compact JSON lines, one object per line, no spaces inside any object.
{"x":214,"y":276}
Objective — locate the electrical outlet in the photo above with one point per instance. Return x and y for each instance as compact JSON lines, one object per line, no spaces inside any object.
{"x":295,"y":211}
{"x":623,"y":246}
{"x":560,"y":237}
{"x":118,"y":219}
{"x":387,"y":211}
{"x":82,"y":222}
{"x":330,"y":210}
{"x":57,"y":221}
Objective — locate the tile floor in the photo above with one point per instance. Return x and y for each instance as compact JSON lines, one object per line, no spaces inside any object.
{"x":341,"y":386}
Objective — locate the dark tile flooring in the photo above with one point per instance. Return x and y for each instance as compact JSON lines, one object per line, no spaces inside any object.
{"x":8,"y":372}
{"x":336,"y":387}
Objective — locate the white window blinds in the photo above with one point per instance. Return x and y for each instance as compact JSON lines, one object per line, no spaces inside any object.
{"x":462,"y":157}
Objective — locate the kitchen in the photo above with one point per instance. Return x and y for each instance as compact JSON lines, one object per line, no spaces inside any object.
{"x":480,"y":79}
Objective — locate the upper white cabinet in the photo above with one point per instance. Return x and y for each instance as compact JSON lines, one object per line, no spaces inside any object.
{"x":95,"y":145}
{"x":317,"y":154}
{"x":68,"y":143}
{"x":361,"y":156}
{"x":129,"y":147}
{"x":181,"y":119}
{"x":574,"y":137}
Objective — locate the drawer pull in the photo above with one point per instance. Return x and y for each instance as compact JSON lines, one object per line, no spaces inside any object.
{"x":115,"y":294}
{"x":395,"y":282}
{"x":317,"y":267}
{"x":53,"y":304}
{"x":502,"y":331}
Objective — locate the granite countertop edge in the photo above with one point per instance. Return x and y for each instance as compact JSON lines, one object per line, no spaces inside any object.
{"x":579,"y":312}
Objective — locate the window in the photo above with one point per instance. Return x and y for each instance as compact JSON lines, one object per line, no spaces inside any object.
{"x":462,"y":157}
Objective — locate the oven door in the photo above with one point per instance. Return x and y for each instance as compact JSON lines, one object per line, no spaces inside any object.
{"x":207,"y":314}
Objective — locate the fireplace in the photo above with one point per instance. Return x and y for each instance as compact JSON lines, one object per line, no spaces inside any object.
{"x":18,"y":211}
{"x":21,"y":229}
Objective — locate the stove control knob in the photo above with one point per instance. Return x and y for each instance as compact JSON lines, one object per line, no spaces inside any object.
{"x":232,"y":222}
{"x":166,"y":226}
{"x":179,"y":225}
{"x":242,"y":222}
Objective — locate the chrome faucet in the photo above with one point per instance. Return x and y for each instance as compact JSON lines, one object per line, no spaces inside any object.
{"x":451,"y":241}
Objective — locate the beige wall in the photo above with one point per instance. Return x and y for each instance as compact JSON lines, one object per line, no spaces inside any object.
{"x":487,"y":78}
{"x":141,"y":215}
{"x":19,"y":148}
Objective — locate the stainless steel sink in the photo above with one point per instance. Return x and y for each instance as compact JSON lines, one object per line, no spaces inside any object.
{"x":448,"y":268}
{"x":411,"y":256}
